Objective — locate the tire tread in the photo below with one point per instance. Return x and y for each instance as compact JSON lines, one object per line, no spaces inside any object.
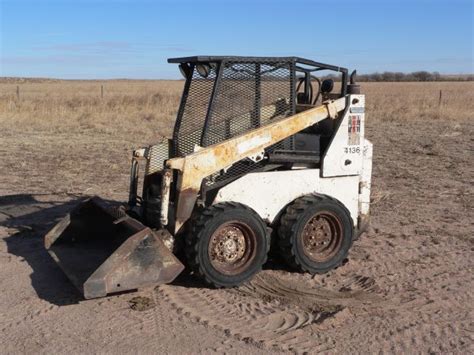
{"x":288,"y":224}
{"x":196,"y":233}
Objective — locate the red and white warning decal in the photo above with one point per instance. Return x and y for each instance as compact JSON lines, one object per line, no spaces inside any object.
{"x":353,"y":130}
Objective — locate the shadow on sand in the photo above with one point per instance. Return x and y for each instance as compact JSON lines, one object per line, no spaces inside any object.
{"x":30,"y":217}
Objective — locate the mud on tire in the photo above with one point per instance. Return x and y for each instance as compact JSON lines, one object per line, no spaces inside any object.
{"x":227,"y":244}
{"x":315,"y":234}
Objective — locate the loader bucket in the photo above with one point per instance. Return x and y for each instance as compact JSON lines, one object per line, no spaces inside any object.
{"x":102,"y":250}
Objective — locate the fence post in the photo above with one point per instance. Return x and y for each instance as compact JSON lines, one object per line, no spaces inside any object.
{"x":18,"y":92}
{"x":102,"y":91}
{"x":440,"y":97}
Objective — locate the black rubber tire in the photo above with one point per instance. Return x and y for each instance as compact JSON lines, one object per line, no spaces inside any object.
{"x":203,"y":227}
{"x":291,"y":228}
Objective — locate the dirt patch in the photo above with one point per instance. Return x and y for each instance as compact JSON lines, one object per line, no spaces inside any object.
{"x":141,"y":303}
{"x":407,"y":287}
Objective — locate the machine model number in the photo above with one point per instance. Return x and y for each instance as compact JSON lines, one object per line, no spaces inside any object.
{"x":352,"y":150}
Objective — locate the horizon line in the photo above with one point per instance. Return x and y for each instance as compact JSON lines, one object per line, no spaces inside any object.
{"x":178,"y":79}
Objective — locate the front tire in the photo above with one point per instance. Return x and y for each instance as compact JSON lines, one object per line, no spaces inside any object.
{"x":315,"y":234}
{"x":227,"y":245}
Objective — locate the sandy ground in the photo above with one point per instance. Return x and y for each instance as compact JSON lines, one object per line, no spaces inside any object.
{"x":406,"y":288}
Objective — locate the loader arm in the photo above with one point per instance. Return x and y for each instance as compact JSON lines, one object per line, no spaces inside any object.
{"x":193,"y":168}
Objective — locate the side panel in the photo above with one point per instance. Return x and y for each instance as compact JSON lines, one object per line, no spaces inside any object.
{"x":365,"y":184}
{"x":269,"y":192}
{"x":344,"y":155}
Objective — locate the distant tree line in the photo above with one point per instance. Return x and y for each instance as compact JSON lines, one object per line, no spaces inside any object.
{"x":414,"y":76}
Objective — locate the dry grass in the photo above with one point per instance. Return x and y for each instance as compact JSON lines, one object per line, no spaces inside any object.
{"x":128,"y":107}
{"x":62,"y":137}
{"x":140,"y":107}
{"x":412,"y":101}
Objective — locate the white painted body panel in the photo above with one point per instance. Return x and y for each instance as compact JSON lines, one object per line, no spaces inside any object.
{"x":366,"y":179}
{"x":268,"y":193}
{"x":345,"y":174}
{"x":345,"y":153}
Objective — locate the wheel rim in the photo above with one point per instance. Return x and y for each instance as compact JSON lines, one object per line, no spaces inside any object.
{"x":322,"y":237}
{"x":232,"y":248}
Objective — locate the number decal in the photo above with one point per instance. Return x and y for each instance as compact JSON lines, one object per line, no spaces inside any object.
{"x":352,"y":150}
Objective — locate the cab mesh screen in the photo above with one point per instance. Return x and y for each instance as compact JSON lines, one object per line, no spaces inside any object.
{"x":249,"y":95}
{"x":246,"y":95}
{"x":193,"y":112}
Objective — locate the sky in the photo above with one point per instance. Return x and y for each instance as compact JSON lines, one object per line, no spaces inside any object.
{"x":86,"y":39}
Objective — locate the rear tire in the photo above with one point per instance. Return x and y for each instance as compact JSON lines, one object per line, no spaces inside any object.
{"x":315,"y":234}
{"x":227,"y":245}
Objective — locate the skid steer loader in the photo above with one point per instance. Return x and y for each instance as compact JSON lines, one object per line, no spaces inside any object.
{"x":263,"y":149}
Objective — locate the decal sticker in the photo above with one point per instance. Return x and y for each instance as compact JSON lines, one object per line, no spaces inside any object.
{"x":353,"y":130}
{"x":358,"y":109}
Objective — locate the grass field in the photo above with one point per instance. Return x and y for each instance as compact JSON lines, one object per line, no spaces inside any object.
{"x":406,"y":287}
{"x":146,"y":108}
{"x":66,"y":126}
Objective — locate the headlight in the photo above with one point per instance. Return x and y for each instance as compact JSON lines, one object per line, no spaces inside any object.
{"x":203,"y":69}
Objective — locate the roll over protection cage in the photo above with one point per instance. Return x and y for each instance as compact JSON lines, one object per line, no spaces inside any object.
{"x":207,"y":116}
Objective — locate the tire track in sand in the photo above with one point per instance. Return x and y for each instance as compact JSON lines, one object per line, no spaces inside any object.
{"x":269,"y":311}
